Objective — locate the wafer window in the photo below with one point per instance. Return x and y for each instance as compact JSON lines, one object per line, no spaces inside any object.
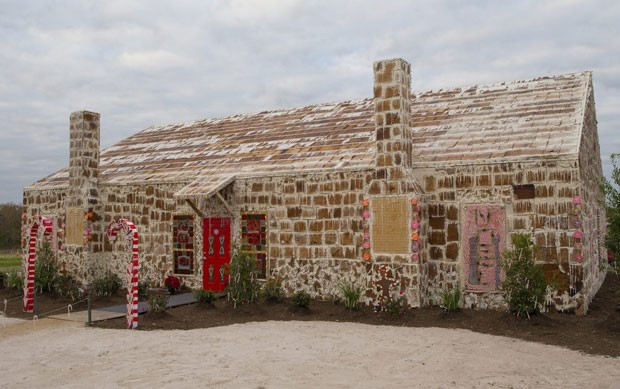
{"x":75,"y":226}
{"x":390,"y":225}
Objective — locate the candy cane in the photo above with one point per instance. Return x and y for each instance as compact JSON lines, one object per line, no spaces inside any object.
{"x":33,"y":232}
{"x":131,"y":232}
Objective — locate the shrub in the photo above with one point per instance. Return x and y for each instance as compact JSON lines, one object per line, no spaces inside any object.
{"x":143,"y":289}
{"x":525,"y":283}
{"x":205,"y":296}
{"x":451,"y":299}
{"x":67,"y":286}
{"x":158,"y":302}
{"x":243,"y":284}
{"x":352,"y":293}
{"x":45,"y":268}
{"x":272,"y":291}
{"x":3,"y":279}
{"x":107,"y":285}
{"x":395,"y":307}
{"x":301,"y":299}
{"x":15,"y":280}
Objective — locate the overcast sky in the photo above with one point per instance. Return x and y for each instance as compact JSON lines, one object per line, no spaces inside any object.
{"x":142,"y":63}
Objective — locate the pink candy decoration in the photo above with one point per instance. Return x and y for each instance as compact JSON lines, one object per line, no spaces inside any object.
{"x":415,"y":224}
{"x":366,"y":245}
{"x":577,"y":234}
{"x":366,"y":214}
{"x":576,"y":200}
{"x":578,"y":258}
{"x":414,"y":257}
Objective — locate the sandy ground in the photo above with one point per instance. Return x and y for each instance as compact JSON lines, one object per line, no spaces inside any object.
{"x":53,"y":353}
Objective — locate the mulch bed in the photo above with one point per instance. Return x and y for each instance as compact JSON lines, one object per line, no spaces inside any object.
{"x":52,"y":304}
{"x":597,"y":333}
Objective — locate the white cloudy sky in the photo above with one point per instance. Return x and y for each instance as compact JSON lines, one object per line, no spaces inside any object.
{"x":140,"y":63}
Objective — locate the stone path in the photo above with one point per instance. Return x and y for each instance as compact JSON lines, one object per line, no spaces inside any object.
{"x":116,"y":311}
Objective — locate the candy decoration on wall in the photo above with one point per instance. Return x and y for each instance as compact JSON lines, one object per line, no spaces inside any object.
{"x":578,"y":233}
{"x":385,"y":284}
{"x":33,"y":232}
{"x":131,"y":233}
{"x":415,"y":229}
{"x":366,"y":244}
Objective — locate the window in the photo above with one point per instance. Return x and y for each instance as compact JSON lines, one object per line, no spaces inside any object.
{"x":254,"y":239}
{"x":75,"y":226}
{"x":183,"y":243}
{"x":390,"y":225}
{"x":524,"y":192}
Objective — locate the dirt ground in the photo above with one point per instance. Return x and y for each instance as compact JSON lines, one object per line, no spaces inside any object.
{"x":282,"y":346}
{"x":597,"y":333}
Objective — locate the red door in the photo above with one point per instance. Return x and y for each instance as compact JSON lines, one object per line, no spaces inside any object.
{"x":216,"y":253}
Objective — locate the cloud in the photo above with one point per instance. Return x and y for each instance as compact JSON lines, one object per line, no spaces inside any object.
{"x":141,"y":63}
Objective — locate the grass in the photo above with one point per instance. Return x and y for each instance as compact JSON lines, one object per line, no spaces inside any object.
{"x":9,"y":262}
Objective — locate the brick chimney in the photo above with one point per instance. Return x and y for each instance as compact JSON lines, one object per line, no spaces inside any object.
{"x":83,"y":160}
{"x":392,"y":89}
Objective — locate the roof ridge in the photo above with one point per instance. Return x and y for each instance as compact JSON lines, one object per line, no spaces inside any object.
{"x":583,"y":73}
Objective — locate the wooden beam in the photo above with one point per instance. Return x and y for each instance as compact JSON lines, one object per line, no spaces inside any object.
{"x":189,"y":202}
{"x":219,"y":196}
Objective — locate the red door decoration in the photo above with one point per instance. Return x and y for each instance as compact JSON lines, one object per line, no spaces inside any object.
{"x":483,"y":244}
{"x":131,"y":232}
{"x":216,"y":253}
{"x":33,"y":232}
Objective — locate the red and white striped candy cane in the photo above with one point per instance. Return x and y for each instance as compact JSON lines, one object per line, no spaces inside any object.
{"x":28,"y":264}
{"x":131,"y":232}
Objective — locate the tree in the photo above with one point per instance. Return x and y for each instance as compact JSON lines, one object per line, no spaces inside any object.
{"x":10,"y":226}
{"x":525,"y":283}
{"x":612,"y":202}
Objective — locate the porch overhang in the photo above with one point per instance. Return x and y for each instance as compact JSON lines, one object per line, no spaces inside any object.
{"x":204,"y":186}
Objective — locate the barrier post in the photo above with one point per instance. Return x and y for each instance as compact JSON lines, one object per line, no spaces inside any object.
{"x":89,"y":308}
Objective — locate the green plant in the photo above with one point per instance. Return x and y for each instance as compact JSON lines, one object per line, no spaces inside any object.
{"x":243,"y":284}
{"x":301,"y":299}
{"x":66,"y":285}
{"x":45,"y":268}
{"x":611,"y":188}
{"x":525,"y":283}
{"x":158,"y":302}
{"x":395,"y":307}
{"x":272,"y":291}
{"x":143,"y":289}
{"x":205,"y":296}
{"x":107,"y":285}
{"x":15,"y":280}
{"x":451,"y":299}
{"x":352,"y":293}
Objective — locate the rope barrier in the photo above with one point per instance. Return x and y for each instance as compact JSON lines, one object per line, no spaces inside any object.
{"x":15,"y":298}
{"x":6,"y":302}
{"x":63,"y":307}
